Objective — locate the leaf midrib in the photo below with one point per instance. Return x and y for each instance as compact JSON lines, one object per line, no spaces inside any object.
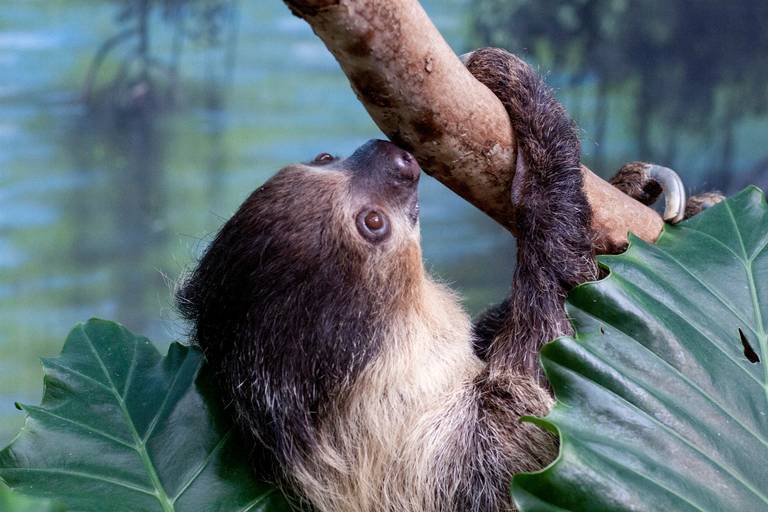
{"x":160,"y":494}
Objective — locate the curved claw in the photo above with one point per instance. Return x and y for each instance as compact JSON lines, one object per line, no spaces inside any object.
{"x":674,"y":193}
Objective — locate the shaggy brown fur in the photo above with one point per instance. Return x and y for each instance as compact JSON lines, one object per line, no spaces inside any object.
{"x":632,"y":179}
{"x":701,"y":202}
{"x":555,"y":250}
{"x":354,"y":375}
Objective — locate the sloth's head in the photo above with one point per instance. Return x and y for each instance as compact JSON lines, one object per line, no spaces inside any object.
{"x":291,"y":299}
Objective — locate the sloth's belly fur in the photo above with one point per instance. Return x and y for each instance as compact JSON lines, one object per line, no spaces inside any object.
{"x":390,"y":444}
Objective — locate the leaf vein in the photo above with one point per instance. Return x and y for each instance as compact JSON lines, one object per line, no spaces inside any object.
{"x":699,"y":330}
{"x":724,"y":467}
{"x":72,"y":371}
{"x":131,"y":369}
{"x":161,"y":408}
{"x":755,"y":302}
{"x":83,"y":426}
{"x":704,"y":285}
{"x":258,"y":500}
{"x":82,"y":474}
{"x":202,"y":466}
{"x":763,"y":246}
{"x":160,"y":494}
{"x":683,"y":376}
{"x":647,"y":478}
{"x":711,"y":238}
{"x":736,"y":229}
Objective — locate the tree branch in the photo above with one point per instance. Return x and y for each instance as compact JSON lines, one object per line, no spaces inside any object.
{"x":419,"y":93}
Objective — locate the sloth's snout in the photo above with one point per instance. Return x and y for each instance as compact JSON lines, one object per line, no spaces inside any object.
{"x":387,"y":175}
{"x":383,"y":161}
{"x":404,"y":165}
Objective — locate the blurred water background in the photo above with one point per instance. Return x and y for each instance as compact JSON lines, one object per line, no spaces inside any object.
{"x":131,"y":129}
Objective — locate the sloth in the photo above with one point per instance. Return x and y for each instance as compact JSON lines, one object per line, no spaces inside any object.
{"x":357,"y":379}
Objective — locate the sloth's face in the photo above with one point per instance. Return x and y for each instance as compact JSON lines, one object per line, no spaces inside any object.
{"x":374,"y":191}
{"x":294,"y":295}
{"x":332,"y":222}
{"x":356,"y":216}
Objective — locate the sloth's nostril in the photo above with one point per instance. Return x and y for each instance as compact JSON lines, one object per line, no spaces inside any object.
{"x":406,"y":166}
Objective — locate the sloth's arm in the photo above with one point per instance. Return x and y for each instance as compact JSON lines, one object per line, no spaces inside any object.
{"x":554,"y":250}
{"x":554,"y":253}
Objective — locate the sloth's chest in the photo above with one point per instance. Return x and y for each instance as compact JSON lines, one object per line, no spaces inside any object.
{"x":386,"y":449}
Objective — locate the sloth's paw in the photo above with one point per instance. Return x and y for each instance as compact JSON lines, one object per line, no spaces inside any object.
{"x":701,"y":202}
{"x":645,"y":182}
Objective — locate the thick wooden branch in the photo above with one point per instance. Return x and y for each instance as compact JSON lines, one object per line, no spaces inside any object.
{"x":419,"y":93}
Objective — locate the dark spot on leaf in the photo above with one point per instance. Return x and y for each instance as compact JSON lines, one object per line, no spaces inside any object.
{"x":749,"y":352}
{"x":602,"y":331}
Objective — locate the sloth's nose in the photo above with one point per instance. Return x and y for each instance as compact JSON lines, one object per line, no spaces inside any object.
{"x":404,"y":164}
{"x":386,"y":161}
{"x":409,"y":167}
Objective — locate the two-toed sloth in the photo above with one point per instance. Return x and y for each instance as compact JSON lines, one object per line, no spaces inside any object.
{"x":354,"y":375}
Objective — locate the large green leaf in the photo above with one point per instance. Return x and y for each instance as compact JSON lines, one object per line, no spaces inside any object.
{"x":121,"y":428}
{"x":661,"y":399}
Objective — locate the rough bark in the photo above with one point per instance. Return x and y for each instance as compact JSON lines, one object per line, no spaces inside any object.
{"x":418,"y":92}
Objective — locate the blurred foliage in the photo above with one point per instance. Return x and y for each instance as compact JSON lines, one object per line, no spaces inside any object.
{"x":134,"y":88}
{"x":11,"y":502}
{"x":689,"y":67}
{"x":145,"y":63}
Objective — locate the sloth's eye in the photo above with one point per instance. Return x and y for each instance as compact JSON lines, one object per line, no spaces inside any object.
{"x":373,"y":225}
{"x":374,"y":221}
{"x":323,"y":158}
